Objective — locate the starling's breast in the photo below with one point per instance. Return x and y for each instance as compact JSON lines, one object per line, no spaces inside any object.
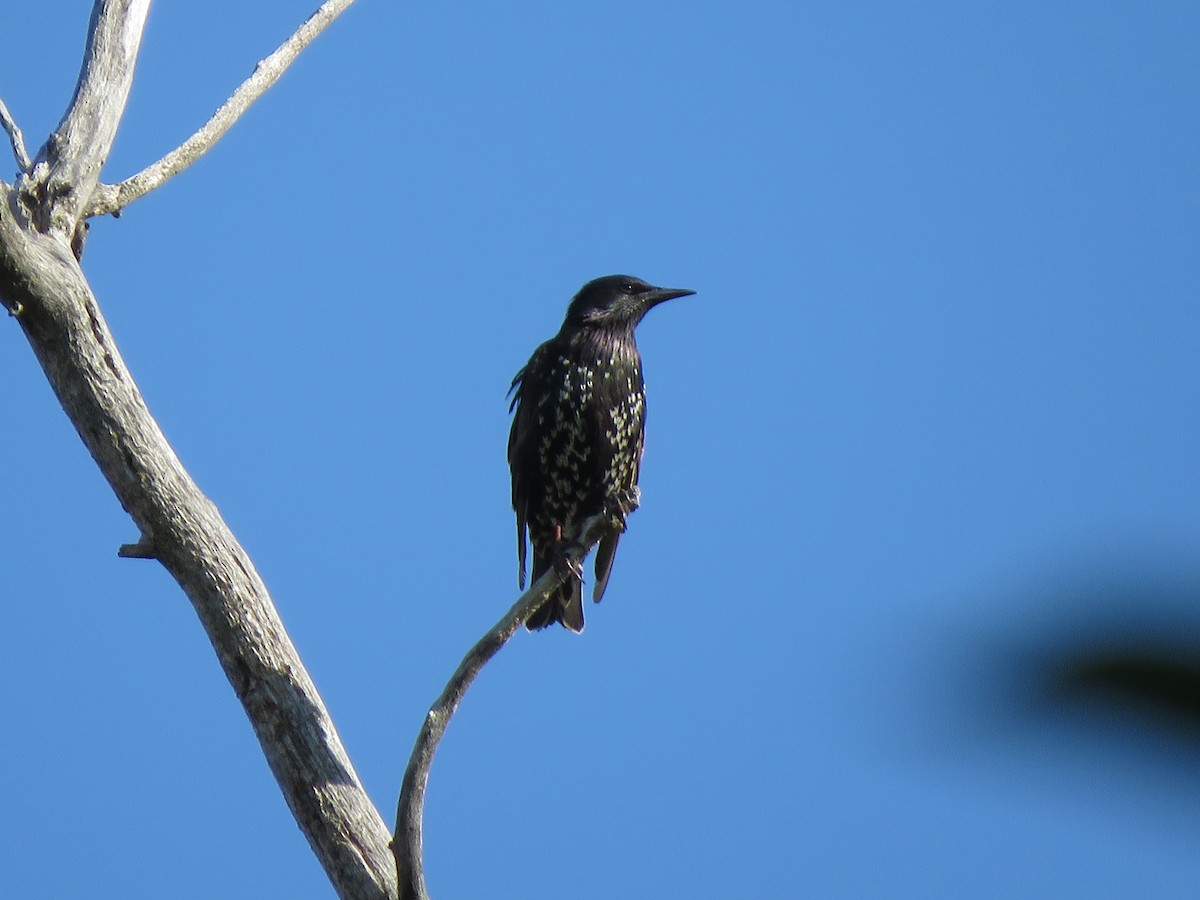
{"x":590,"y":418}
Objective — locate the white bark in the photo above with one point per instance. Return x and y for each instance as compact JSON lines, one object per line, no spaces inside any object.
{"x":67,"y":168}
{"x":42,"y":285}
{"x":16,"y":138}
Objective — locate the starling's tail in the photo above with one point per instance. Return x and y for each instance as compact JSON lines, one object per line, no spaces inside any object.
{"x":565,"y":605}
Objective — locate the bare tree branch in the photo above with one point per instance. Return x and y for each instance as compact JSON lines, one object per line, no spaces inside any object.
{"x":40,"y":278}
{"x":113,"y":198}
{"x":67,"y":168}
{"x":9,"y":124}
{"x":42,"y":286}
{"x":406,"y":843}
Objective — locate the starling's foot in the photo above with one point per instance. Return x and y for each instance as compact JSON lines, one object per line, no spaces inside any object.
{"x":620,"y":506}
{"x":564,"y":565}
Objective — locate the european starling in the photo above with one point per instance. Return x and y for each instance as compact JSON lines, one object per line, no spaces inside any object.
{"x":575,"y":447}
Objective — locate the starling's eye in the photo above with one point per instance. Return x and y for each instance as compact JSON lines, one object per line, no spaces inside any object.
{"x":628,"y":288}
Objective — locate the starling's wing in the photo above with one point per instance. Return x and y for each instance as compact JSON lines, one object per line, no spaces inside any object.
{"x":606,"y":552}
{"x":522,"y":519}
{"x":520,"y":486}
{"x":521,"y":449}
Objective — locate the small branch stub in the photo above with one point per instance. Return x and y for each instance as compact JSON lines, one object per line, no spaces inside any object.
{"x":143,"y":549}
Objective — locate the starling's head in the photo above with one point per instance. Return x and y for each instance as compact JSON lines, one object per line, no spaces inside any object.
{"x":617,"y":301}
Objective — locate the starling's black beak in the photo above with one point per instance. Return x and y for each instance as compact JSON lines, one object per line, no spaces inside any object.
{"x":659,"y":295}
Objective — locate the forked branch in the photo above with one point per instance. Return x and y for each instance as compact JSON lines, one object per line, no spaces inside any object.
{"x":110,"y":198}
{"x":406,"y":842}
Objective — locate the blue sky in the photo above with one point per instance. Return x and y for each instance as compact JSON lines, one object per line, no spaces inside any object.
{"x":927,"y":430}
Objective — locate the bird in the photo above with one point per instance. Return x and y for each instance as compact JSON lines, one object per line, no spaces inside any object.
{"x":577,"y":435}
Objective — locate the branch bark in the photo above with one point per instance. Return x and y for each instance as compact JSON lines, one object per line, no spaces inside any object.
{"x":9,"y":124}
{"x":114,"y":198}
{"x":67,"y":168}
{"x":410,"y":811}
{"x":43,"y":287}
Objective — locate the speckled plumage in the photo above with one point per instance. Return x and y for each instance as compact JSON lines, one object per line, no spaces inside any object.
{"x":578,"y":431}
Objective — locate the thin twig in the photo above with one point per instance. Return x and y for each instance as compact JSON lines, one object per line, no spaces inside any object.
{"x":406,"y":843}
{"x":18,"y":140}
{"x":111,"y":198}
